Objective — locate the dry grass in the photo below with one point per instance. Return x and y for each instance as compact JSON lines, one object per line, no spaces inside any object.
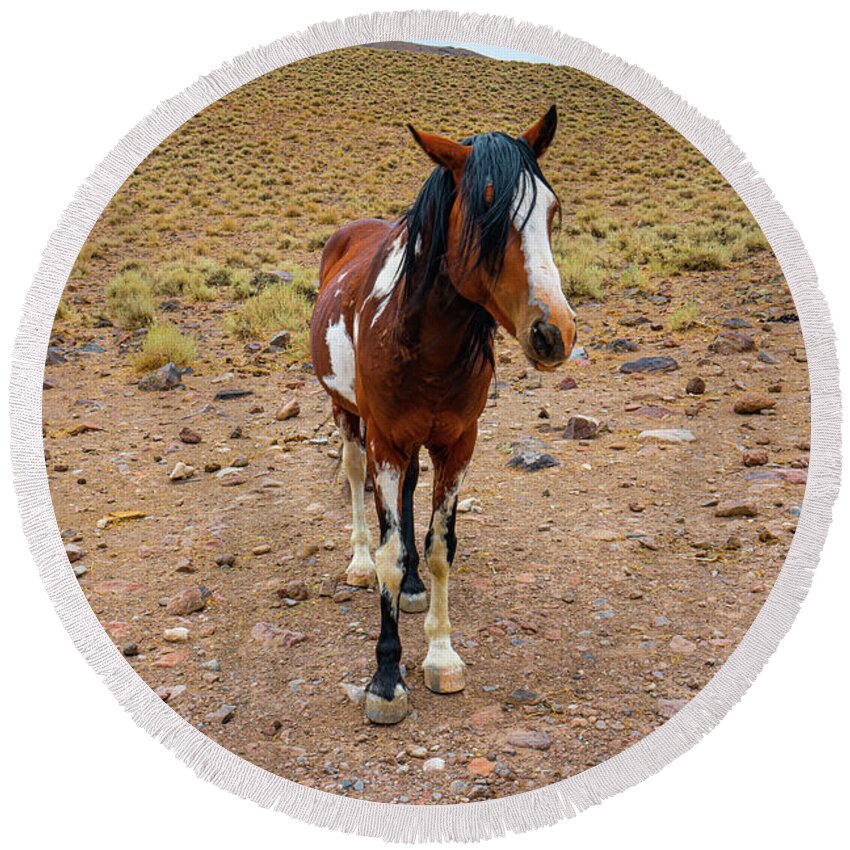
{"x":164,"y":343}
{"x":129,"y":301}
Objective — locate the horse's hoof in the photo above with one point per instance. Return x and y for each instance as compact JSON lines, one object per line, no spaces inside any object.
{"x":413,"y":603}
{"x":386,"y":712}
{"x":360,"y":573}
{"x":444,"y":680}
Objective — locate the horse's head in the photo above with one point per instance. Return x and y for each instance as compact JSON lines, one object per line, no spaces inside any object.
{"x":497,"y":239}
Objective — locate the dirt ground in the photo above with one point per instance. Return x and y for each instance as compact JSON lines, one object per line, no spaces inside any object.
{"x":589,"y":599}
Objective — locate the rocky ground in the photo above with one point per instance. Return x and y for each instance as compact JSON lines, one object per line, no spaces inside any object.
{"x":621,"y":526}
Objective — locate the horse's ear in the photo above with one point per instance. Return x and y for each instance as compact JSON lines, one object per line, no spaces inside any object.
{"x":539,"y":136}
{"x":443,"y":151}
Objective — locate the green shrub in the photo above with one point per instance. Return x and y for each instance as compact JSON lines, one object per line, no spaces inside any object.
{"x":164,"y":344}
{"x":129,"y":302}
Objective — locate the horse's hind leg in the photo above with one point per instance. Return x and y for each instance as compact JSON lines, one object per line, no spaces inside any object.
{"x":361,"y":570}
{"x":413,"y":596}
{"x":443,"y":669}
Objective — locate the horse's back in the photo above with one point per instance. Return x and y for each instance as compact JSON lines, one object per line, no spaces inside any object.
{"x":344,"y":269}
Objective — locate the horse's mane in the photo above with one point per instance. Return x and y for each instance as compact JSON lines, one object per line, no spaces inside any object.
{"x":509,"y":166}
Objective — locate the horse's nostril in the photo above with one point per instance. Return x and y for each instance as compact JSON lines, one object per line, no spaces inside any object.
{"x":547,"y":342}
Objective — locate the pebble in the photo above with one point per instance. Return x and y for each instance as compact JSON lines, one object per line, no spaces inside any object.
{"x":262,"y":549}
{"x":188,"y":601}
{"x":130,"y":650}
{"x":581,"y":428}
{"x":417,"y":751}
{"x":73,"y":552}
{"x":566,"y":384}
{"x":695,"y":386}
{"x":181,"y":471}
{"x":755,"y":457}
{"x":480,"y":766}
{"x":187,"y":435}
{"x":529,"y":739}
{"x":736,"y":509}
{"x":668,"y":707}
{"x":269,"y":634}
{"x":176,"y":635}
{"x":282,"y":339}
{"x":223,"y":714}
{"x":750,"y":403}
{"x":532,"y":461}
{"x":732,"y":342}
{"x":213,"y":665}
{"x":459,"y":787}
{"x":294,"y":589}
{"x":356,"y":693}
{"x":165,"y":378}
{"x":80,"y":570}
{"x":649,"y":364}
{"x":666,"y":435}
{"x":433,"y":765}
{"x":225,"y":560}
{"x":226,"y":395}
{"x":289,"y":411}
{"x":682,"y":646}
{"x":523,"y":697}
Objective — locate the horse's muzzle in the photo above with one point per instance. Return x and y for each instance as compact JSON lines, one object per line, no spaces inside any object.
{"x":547,"y":343}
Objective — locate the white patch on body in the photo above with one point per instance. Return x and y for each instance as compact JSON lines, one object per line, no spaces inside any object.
{"x":544,"y":280}
{"x":341,"y":353}
{"x":387,"y":277}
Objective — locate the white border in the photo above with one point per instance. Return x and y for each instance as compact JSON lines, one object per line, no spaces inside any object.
{"x":438,"y":822}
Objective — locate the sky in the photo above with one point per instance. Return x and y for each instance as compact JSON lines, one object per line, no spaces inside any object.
{"x":505,"y":53}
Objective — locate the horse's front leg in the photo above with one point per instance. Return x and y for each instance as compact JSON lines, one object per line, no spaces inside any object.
{"x":413,"y":597}
{"x":386,"y":694}
{"x":443,"y":668}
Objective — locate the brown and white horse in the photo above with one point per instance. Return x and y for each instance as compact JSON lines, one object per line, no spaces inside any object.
{"x":402,"y":341}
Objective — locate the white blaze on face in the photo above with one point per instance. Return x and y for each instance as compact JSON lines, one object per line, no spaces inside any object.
{"x":544,"y":280}
{"x":341,"y":353}
{"x":387,"y":277}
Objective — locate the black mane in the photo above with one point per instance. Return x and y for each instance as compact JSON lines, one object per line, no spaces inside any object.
{"x":496,"y":160}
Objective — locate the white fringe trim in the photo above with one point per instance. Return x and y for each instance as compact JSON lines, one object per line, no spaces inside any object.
{"x":519,"y":812}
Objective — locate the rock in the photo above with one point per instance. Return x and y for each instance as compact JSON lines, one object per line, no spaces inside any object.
{"x":750,"y":403}
{"x":735,"y":322}
{"x":280,"y":341}
{"x":356,"y":693}
{"x":170,"y":693}
{"x":668,"y":707}
{"x":770,"y":359}
{"x":294,"y":589}
{"x":55,"y":356}
{"x":755,"y":457}
{"x":181,"y":471}
{"x":649,"y":364}
{"x":479,"y":791}
{"x":262,"y":549}
{"x":480,"y":766}
{"x":581,"y":428}
{"x":269,"y":634}
{"x":523,"y":697}
{"x":188,"y":601}
{"x":532,"y":461}
{"x":416,"y":751}
{"x":682,"y":646}
{"x":695,"y":386}
{"x":578,"y":353}
{"x":130,"y":650}
{"x":165,"y":378}
{"x":789,"y":476}
{"x":566,"y":384}
{"x":344,"y":594}
{"x":458,"y":787}
{"x":666,"y":435}
{"x":223,"y":714}
{"x":225,"y":560}
{"x":187,"y":435}
{"x":529,"y":739}
{"x":621,"y":346}
{"x":732,"y":342}
{"x":177,"y":635}
{"x":735,"y":509}
{"x":227,"y":395}
{"x":289,"y":411}
{"x":74,"y":552}
{"x":213,"y":665}
{"x":433,"y":765}
{"x":80,"y":570}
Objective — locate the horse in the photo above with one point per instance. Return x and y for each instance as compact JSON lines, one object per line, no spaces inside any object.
{"x":402,"y":337}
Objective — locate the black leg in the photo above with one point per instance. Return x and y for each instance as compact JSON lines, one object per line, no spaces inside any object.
{"x":413,"y":597}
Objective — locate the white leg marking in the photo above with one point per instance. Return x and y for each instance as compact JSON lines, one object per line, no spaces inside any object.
{"x":361,"y":570}
{"x":341,"y":353}
{"x":442,"y":668}
{"x":388,"y":558}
